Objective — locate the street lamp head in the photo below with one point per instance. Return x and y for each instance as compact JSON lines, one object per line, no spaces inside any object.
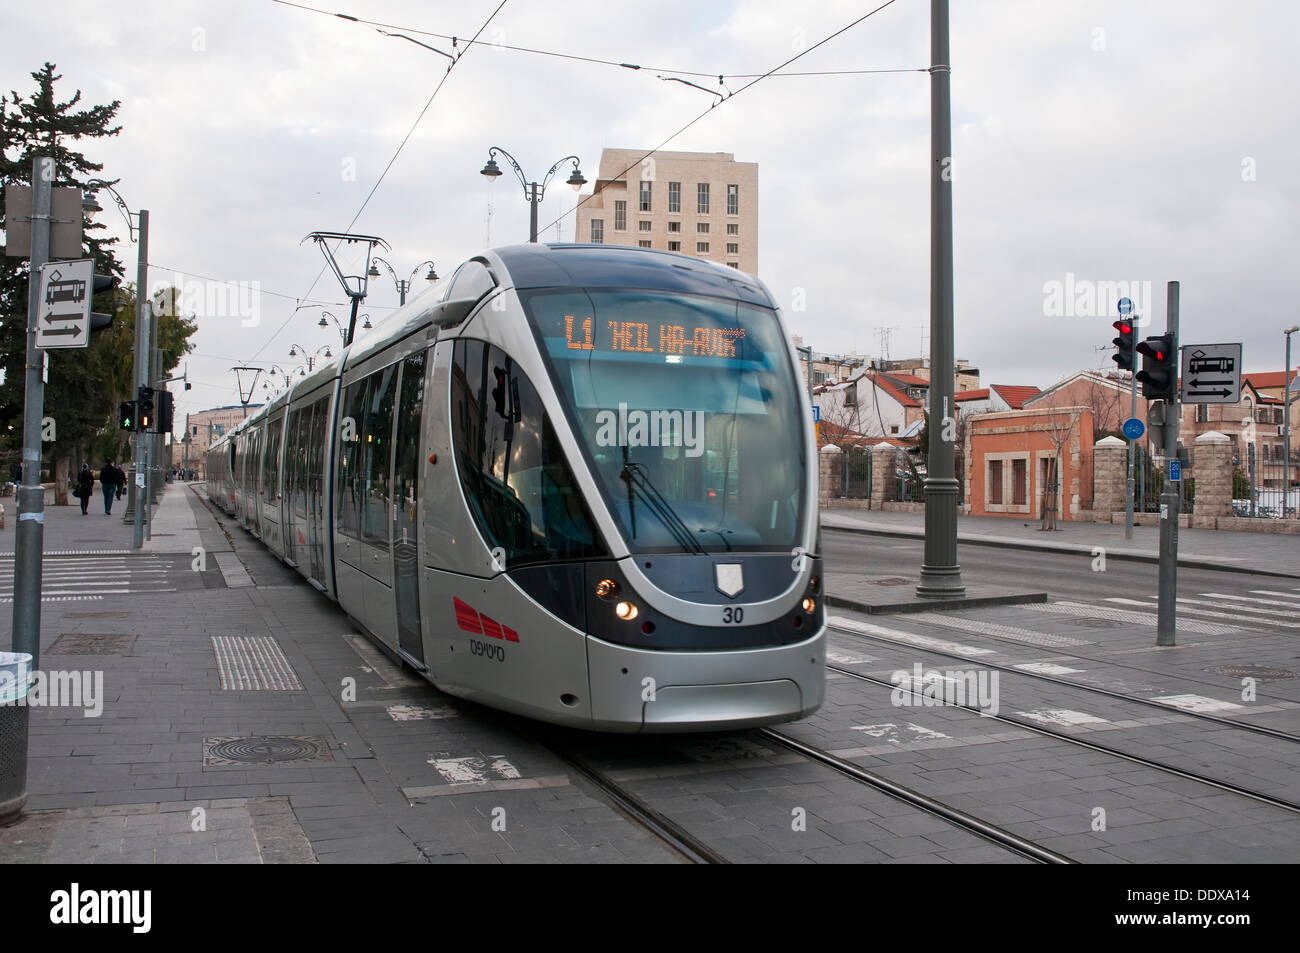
{"x":323,"y":322}
{"x":491,"y":169}
{"x":327,"y":351}
{"x":89,"y":204}
{"x":293,"y":351}
{"x":432,"y":275}
{"x":373,"y":272}
{"x":576,"y":180}
{"x":1291,"y":330}
{"x":366,"y":325}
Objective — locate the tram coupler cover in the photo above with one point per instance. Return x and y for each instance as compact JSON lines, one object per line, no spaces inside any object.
{"x":15,"y":679}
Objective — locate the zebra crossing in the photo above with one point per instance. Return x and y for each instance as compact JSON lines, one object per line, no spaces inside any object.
{"x":88,"y":577}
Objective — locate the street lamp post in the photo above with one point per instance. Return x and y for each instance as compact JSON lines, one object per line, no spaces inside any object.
{"x":533,"y":191}
{"x":403,"y":284}
{"x":1286,"y":423}
{"x":136,"y":502}
{"x":310,"y":356}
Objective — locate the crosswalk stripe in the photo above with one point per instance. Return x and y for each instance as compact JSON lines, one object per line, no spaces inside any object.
{"x":8,"y":599}
{"x":1274,"y":592}
{"x":1184,"y":607}
{"x":1196,"y":703}
{"x":1256,"y":610}
{"x":1263,"y":602}
{"x":998,"y":631}
{"x":1062,"y":717}
{"x":912,"y":638}
{"x":1125,"y":615}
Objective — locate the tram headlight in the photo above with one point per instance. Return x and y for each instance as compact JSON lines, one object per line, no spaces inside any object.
{"x":809,"y":605}
{"x":626,"y":611}
{"x":607,"y":589}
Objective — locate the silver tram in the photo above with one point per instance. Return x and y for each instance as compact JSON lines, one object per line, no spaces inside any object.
{"x":574,"y":482}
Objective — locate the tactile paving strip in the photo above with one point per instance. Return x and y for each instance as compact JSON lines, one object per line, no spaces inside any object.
{"x":249,"y":663}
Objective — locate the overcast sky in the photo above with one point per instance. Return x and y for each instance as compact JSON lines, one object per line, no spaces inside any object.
{"x":1110,"y":140}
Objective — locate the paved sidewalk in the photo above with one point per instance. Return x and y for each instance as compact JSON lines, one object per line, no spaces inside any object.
{"x":1268,"y":553}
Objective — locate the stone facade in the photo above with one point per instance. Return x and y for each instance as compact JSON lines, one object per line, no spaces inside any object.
{"x":1109,"y":477}
{"x":1212,"y":469}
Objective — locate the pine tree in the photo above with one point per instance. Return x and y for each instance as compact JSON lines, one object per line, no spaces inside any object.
{"x":75,"y":396}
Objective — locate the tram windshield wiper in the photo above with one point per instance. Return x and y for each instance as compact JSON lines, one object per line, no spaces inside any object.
{"x":633,"y":474}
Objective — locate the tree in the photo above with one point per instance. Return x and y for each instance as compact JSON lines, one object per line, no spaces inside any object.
{"x":83,"y":389}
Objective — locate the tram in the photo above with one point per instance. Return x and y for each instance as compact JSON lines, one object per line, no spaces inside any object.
{"x":575,"y":482}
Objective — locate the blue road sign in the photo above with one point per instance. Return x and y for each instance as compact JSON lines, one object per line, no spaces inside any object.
{"x":1125,"y":306}
{"x":1133,"y":428}
{"x":817,"y":413}
{"x":1175,"y":470}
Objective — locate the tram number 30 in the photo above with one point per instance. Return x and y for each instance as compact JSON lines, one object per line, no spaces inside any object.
{"x":732,"y":614}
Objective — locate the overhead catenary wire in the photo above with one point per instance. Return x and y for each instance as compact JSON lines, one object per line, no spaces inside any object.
{"x":402,"y":145}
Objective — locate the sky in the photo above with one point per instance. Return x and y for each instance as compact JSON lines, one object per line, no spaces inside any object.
{"x":1099,"y":148}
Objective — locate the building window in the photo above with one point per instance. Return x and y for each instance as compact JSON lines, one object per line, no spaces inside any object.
{"x":598,"y":231}
{"x":1202,"y":413}
{"x":995,"y":482}
{"x":643,"y":226}
{"x":1019,"y":483}
{"x":702,"y":228}
{"x":645,"y":196}
{"x":733,"y":264}
{"x":674,"y":246}
{"x":620,"y":215}
{"x":733,"y":248}
{"x":733,"y":200}
{"x":643,"y":243}
{"x":702,"y":198}
{"x":674,"y":196}
{"x":733,"y":228}
{"x":674,"y":226}
{"x":702,"y":247}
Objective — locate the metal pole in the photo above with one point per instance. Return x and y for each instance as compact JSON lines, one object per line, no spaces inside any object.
{"x":1286,"y":430}
{"x":352,"y":325}
{"x":401,"y":291}
{"x":532,"y":214}
{"x":1132,"y":444}
{"x":142,"y":309}
{"x":940,"y":573}
{"x":29,"y":534}
{"x":1167,"y":621}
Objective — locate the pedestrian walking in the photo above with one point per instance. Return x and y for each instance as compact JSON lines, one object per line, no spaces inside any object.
{"x":108,"y":482}
{"x":85,"y":486}
{"x":121,"y":481}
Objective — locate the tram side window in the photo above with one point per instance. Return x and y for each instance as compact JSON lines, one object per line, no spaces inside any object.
{"x":516,"y":479}
{"x":406,"y":449}
{"x":349,"y":482}
{"x":377,"y":443}
{"x":270,"y":463}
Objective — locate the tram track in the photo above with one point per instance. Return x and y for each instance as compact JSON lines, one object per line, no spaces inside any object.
{"x":1080,"y":686}
{"x":1182,"y":773}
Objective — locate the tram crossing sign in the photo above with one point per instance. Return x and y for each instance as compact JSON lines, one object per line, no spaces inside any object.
{"x":1211,"y":374}
{"x":64,"y":316}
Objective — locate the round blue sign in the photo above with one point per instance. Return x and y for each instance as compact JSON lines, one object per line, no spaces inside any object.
{"x":1125,"y":306}
{"x":1133,"y":428}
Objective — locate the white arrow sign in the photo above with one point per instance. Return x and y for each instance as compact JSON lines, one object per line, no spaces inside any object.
{"x":64,"y":316}
{"x":1211,"y":374}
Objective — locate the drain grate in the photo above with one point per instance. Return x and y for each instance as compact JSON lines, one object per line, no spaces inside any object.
{"x":891,"y":581}
{"x":264,"y":749}
{"x":1261,"y":672}
{"x":81,"y":643}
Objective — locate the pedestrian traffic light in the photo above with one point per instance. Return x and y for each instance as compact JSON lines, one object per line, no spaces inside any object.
{"x":1159,"y":374}
{"x":1124,"y":342}
{"x":126,"y":415}
{"x":100,"y":321}
{"x":166,"y":410}
{"x":144,"y":409}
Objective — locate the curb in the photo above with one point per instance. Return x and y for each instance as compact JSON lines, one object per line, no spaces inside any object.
{"x":936,"y":605}
{"x":1067,"y":549}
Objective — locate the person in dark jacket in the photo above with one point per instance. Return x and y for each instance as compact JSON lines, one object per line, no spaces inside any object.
{"x":108,"y":482}
{"x":85,"y":486}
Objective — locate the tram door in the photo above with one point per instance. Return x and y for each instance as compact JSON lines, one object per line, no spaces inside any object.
{"x":406,"y":471}
{"x":314,"y":433}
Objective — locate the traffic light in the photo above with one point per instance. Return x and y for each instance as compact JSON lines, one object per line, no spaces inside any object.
{"x":499,"y":392}
{"x":126,"y":415}
{"x":100,"y":321}
{"x":1123,"y":355}
{"x":1159,"y":374}
{"x":144,"y":409}
{"x":166,"y":410}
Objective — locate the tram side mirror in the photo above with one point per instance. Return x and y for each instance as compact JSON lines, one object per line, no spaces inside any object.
{"x":453,"y":313}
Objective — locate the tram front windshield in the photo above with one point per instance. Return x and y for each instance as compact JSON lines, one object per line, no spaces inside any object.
{"x":687,"y":411}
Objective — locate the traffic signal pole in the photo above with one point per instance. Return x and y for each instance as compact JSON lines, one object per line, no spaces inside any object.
{"x":141,"y":441}
{"x":1129,"y":494}
{"x":1169,"y":500}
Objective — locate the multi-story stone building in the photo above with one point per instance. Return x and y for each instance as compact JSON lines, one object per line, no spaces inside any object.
{"x":703,"y":204}
{"x":204,"y":428}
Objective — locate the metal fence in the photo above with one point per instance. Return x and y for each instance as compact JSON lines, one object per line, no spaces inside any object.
{"x":1149,"y":483}
{"x":857,"y":473}
{"x":1259,"y":488}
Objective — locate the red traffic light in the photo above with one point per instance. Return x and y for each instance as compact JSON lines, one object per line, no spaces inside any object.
{"x":1123,"y":327}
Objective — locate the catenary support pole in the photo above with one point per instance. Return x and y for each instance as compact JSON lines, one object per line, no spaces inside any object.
{"x":1167,"y":621}
{"x":940,"y":573}
{"x":141,"y":373}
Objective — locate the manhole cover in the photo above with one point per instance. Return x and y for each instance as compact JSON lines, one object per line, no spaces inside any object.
{"x":80,"y":643}
{"x":1261,"y":672}
{"x":264,"y":749}
{"x":1093,"y":623}
{"x":891,"y":581}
